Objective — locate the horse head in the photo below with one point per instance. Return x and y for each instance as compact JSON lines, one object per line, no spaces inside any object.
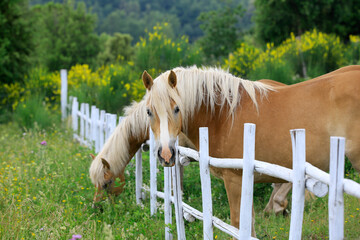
{"x":104,"y":179}
{"x":164,"y":113}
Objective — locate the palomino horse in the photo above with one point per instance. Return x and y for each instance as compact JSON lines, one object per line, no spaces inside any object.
{"x":119,"y":149}
{"x":185,"y":99}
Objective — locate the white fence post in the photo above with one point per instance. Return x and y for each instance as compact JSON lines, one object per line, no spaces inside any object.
{"x":247,"y":182}
{"x":64,"y":87}
{"x":74,"y":115}
{"x":167,"y":202}
{"x":102,"y":128}
{"x":298,"y":174}
{"x":205,"y":183}
{"x":139,"y":176}
{"x":87,"y":124}
{"x":178,"y":198}
{"x":153,"y":169}
{"x":82,"y":123}
{"x":336,"y":191}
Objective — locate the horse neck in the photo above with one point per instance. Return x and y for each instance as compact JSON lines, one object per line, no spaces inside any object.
{"x":122,"y":146}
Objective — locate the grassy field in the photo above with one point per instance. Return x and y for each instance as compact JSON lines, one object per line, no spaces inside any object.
{"x":45,"y":193}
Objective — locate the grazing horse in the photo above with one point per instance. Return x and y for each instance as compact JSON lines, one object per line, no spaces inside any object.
{"x":185,"y":99}
{"x":118,"y":150}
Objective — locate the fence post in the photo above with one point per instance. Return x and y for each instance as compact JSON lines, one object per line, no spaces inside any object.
{"x":87,"y":124}
{"x":298,"y":175}
{"x":178,"y":198}
{"x":112,"y":123}
{"x":102,"y":129}
{"x":336,"y":191}
{"x":167,"y":202}
{"x":64,"y":86}
{"x":139,"y":177}
{"x":153,"y":187}
{"x":247,"y":182}
{"x":205,"y":183}
{"x":82,"y":121}
{"x":94,"y":127}
{"x":74,"y":115}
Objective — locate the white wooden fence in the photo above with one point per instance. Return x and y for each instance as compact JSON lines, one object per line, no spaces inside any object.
{"x":305,"y":176}
{"x":92,"y":128}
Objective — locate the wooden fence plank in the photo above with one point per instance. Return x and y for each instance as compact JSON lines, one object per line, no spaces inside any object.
{"x":247,"y":189}
{"x":205,"y":183}
{"x":336,"y":191}
{"x":153,"y":169}
{"x":298,"y":192}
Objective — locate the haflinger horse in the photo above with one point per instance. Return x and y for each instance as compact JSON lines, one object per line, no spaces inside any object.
{"x":118,"y":150}
{"x":184,"y":99}
{"x":128,"y":136}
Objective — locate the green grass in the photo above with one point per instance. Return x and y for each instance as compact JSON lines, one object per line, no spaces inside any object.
{"x":46,"y":193}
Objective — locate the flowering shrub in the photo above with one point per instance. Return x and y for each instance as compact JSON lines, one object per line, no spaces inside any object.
{"x":319,"y":52}
{"x":111,"y":87}
{"x":352,"y":53}
{"x":161,"y":52}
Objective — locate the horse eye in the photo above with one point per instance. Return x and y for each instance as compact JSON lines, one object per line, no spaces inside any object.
{"x":148,"y":112}
{"x":176,"y":109}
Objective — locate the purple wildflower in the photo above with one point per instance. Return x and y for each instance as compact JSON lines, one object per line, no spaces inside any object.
{"x":43,"y":143}
{"x":77,"y":236}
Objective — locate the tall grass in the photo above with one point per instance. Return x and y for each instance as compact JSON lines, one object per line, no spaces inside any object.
{"x":34,"y":112}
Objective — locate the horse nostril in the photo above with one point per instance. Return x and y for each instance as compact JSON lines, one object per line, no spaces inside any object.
{"x":159,"y":152}
{"x":172,"y":151}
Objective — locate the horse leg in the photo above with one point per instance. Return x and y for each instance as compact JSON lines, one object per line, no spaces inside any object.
{"x":270,"y":205}
{"x":233,"y":181}
{"x":280,"y":201}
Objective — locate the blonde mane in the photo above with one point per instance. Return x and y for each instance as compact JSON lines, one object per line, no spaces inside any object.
{"x":116,"y":149}
{"x":195,"y":86}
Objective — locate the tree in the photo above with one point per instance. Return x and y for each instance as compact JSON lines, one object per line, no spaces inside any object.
{"x":275,"y":20}
{"x":117,"y":48}
{"x":64,"y":35}
{"x":15,"y":41}
{"x":220,"y":31}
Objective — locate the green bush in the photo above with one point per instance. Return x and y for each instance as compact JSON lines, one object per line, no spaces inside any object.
{"x":163,"y":53}
{"x":34,"y":112}
{"x":352,"y":53}
{"x":317,"y":53}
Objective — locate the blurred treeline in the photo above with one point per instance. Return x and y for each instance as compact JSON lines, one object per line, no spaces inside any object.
{"x":106,"y":45}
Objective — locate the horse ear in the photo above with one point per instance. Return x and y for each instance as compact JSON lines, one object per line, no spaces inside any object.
{"x":172,"y":79}
{"x":105,"y":163}
{"x":92,"y":156}
{"x":147,"y":79}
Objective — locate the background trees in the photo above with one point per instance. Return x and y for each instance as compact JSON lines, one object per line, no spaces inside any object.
{"x":64,"y":35}
{"x":15,"y":41}
{"x":275,"y":20}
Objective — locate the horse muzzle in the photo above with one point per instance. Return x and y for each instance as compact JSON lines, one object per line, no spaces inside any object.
{"x":166,"y":156}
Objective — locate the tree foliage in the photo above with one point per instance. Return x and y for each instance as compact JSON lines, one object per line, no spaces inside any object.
{"x":117,"y":48}
{"x":64,"y":35}
{"x":220,"y":31}
{"x":15,"y":41}
{"x":275,"y":20}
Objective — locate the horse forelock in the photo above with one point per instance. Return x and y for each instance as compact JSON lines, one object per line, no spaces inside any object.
{"x":116,"y":149}
{"x":197,"y":86}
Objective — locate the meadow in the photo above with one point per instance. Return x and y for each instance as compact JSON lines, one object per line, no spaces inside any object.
{"x":46,"y":193}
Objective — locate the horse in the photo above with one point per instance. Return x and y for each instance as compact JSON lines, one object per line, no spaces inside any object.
{"x":184,"y":99}
{"x":120,"y":148}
